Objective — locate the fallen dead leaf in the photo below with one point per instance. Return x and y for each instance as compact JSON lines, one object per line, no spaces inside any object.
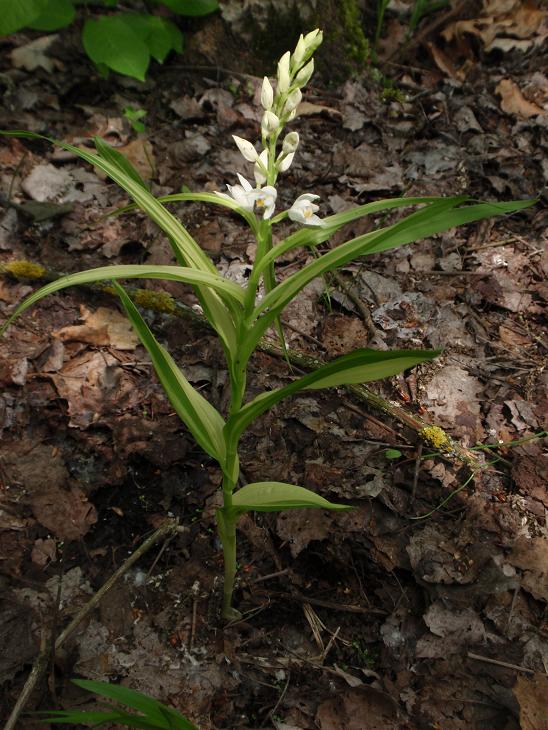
{"x":44,"y":552}
{"x":513,"y":101}
{"x":348,"y":709}
{"x":532,"y":696}
{"x":104,"y":327}
{"x":68,"y":514}
{"x":141,"y":155}
{"x":531,"y":556}
{"x":33,"y":55}
{"x":307,"y":109}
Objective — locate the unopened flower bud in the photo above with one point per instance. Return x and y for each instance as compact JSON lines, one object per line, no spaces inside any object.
{"x":312,"y":40}
{"x":285,"y":162}
{"x":290,"y":143}
{"x":298,"y":55}
{"x":246,"y":148}
{"x":267,"y":94}
{"x":269,"y":124}
{"x":283,"y":73}
{"x":292,"y":115}
{"x":303,"y":77}
{"x":293,"y":101}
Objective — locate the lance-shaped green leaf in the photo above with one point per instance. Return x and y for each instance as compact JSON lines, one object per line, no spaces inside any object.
{"x":202,"y":420}
{"x":276,"y":496}
{"x":228,"y":289}
{"x":186,"y":249}
{"x":432,"y":219}
{"x":360,"y":366}
{"x":251,"y":218}
{"x":154,"y":713}
{"x":307,"y":236}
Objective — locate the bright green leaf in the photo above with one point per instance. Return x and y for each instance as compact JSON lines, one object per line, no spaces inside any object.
{"x":158,"y":34}
{"x":360,"y":366}
{"x":276,"y":496}
{"x":110,"y":154}
{"x":155,"y":715}
{"x":17,"y":14}
{"x":191,"y":7}
{"x":434,"y":218}
{"x":130,"y":271}
{"x":56,"y":14}
{"x":392,"y":454}
{"x":202,"y":420}
{"x":111,"y":41}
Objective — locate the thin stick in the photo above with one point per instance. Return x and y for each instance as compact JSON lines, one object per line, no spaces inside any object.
{"x":38,"y":669}
{"x":41,"y":663}
{"x":169,"y":526}
{"x":506,"y":665}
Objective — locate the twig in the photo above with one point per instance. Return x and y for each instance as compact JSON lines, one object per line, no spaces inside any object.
{"x":166,"y":304}
{"x":41,"y":663}
{"x":357,"y":301}
{"x":506,"y":665}
{"x":38,"y":669}
{"x":169,"y":526}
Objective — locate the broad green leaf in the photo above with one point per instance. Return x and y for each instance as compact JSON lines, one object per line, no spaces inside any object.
{"x":111,"y":154}
{"x":111,"y":41}
{"x":158,"y":34}
{"x":186,"y":250}
{"x":56,"y":14}
{"x":228,"y":289}
{"x":202,"y":420}
{"x":191,"y":7}
{"x":276,"y":496}
{"x":17,"y":14}
{"x":434,"y":218}
{"x":360,"y":366}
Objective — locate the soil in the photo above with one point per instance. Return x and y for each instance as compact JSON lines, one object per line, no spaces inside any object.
{"x":425,"y":606}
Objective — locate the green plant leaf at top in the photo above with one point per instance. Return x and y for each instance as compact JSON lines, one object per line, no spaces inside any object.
{"x":191,"y":7}
{"x":277,"y":496}
{"x":160,"y":35}
{"x":57,"y":14}
{"x":112,"y":41}
{"x":16,"y":14}
{"x":360,"y":366}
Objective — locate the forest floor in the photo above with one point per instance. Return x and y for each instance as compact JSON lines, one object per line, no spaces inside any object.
{"x":425,"y":606}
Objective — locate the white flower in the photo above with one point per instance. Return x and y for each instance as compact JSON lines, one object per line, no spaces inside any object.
{"x":265,"y":200}
{"x":293,"y":101}
{"x":260,"y":170}
{"x":242,"y":194}
{"x":303,"y":210}
{"x":303,"y":77}
{"x":290,"y":143}
{"x":284,"y":161}
{"x":267,"y":94}
{"x":269,"y":124}
{"x":283,"y":73}
{"x":246,"y":148}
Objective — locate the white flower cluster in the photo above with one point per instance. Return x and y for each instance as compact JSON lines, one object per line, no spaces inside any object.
{"x":280,"y":106}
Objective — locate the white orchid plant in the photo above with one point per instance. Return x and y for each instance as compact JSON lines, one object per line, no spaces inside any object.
{"x":242,"y":315}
